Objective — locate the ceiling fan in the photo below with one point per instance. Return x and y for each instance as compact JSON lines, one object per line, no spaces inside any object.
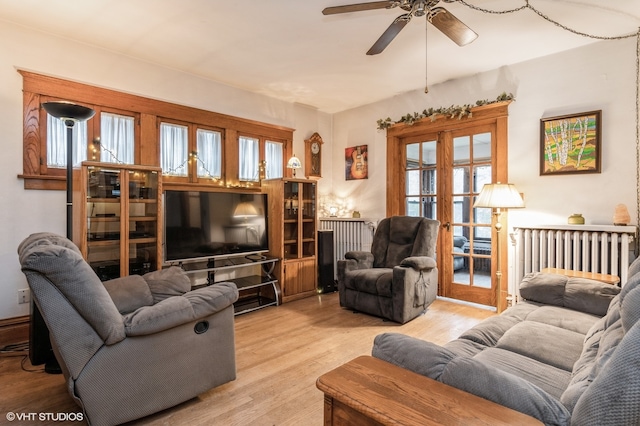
{"x":439,"y":17}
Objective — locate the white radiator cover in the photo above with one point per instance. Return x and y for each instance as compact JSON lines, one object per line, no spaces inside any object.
{"x":348,"y":235}
{"x":603,"y":249}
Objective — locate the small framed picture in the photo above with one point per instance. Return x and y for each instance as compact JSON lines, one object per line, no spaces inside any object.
{"x":356,"y":162}
{"x":570,"y":144}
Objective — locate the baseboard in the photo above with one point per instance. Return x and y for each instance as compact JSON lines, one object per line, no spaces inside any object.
{"x":14,"y":330}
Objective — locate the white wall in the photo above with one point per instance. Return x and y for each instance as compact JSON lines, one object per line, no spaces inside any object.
{"x":24,"y":212}
{"x":598,"y":76}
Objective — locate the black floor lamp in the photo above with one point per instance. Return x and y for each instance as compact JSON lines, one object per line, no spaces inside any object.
{"x":39,"y":344}
{"x":71,"y":114}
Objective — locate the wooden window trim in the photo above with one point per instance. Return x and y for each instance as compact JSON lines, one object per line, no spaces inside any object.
{"x":37,"y":87}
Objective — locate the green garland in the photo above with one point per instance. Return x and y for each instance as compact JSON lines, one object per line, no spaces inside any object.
{"x":457,"y":111}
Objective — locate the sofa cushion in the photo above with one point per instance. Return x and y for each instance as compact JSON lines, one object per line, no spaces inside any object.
{"x":568,"y":319}
{"x":372,"y":281}
{"x":129,"y":293}
{"x":575,"y":293}
{"x":551,"y":379}
{"x":630,"y":302}
{"x":168,"y":282}
{"x":504,"y":388}
{"x":545,"y":343}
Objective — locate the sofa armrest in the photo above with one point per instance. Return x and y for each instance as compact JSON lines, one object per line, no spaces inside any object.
{"x":364,"y":259}
{"x":177,"y":310}
{"x":580,"y":294}
{"x":419,"y":263}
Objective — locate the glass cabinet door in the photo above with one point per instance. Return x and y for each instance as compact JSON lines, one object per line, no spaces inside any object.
{"x":309,"y":220}
{"x":292,"y":205}
{"x":143,"y":221}
{"x":104,"y":210}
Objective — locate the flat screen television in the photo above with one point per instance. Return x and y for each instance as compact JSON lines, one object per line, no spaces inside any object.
{"x":202,"y":225}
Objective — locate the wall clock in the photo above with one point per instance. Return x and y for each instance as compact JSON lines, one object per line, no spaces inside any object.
{"x":313,"y":156}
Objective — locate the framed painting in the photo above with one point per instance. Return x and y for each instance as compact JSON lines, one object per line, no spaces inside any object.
{"x":356,"y":162}
{"x":570,"y":144}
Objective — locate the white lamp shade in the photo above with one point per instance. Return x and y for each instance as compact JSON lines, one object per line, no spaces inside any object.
{"x":294,"y":163}
{"x":499,"y":195}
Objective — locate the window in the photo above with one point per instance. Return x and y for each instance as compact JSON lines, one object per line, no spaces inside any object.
{"x":117,"y":138}
{"x":174,"y":145}
{"x":57,"y":142}
{"x":209,"y":153}
{"x":249,"y":152}
{"x":275,"y":159}
{"x":137,"y":130}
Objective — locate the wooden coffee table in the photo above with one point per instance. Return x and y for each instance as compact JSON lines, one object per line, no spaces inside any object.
{"x":368,"y":391}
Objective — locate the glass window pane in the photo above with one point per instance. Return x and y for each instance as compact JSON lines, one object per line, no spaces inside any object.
{"x":209,"y":159}
{"x":461,"y":148}
{"x":249,"y":158}
{"x":413,"y":206}
{"x":117,"y":138}
{"x":413,"y":156}
{"x":482,"y":147}
{"x":429,"y":181}
{"x":274,"y":157}
{"x":174,"y":143}
{"x":428,"y":153}
{"x":413,"y":182}
{"x":57,"y":142}
{"x":429,"y":209}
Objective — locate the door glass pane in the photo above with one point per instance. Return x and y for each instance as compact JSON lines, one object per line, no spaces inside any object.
{"x":429,"y":181}
{"x":482,"y":176}
{"x":461,"y":180}
{"x":429,"y":153}
{"x":429,"y":208}
{"x":461,"y":148}
{"x":413,"y":182}
{"x":413,"y":156}
{"x":413,"y":206}
{"x":482,"y":147}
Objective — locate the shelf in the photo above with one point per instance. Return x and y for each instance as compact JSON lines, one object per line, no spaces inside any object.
{"x":234,"y":262}
{"x":252,"y":304}
{"x":252,"y":281}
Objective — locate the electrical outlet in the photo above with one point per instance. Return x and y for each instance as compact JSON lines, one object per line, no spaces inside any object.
{"x":24,"y":296}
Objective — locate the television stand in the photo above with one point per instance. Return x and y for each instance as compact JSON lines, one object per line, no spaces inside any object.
{"x":257,"y":291}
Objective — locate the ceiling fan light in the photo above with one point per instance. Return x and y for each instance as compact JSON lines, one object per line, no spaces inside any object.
{"x":419,"y":9}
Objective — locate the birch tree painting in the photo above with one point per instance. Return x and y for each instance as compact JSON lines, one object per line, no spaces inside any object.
{"x":570,"y":144}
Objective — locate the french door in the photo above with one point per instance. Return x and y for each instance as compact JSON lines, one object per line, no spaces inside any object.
{"x":442,"y":168}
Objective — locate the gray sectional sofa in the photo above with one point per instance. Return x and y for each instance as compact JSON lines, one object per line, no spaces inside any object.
{"x":568,"y":354}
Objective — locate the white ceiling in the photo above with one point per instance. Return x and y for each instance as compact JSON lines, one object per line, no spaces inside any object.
{"x":288,"y":50}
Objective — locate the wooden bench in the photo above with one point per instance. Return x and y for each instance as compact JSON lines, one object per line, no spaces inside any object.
{"x":370,"y":392}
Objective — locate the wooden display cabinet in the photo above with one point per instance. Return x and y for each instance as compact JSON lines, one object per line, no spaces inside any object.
{"x":293,"y":235}
{"x":117,"y":218}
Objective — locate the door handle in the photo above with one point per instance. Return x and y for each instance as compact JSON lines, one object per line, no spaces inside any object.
{"x":447,"y":225}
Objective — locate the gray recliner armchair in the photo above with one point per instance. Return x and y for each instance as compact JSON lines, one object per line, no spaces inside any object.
{"x":135,"y":345}
{"x":398,"y":280}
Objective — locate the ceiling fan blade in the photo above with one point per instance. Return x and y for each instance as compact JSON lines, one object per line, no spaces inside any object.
{"x":389,"y":34}
{"x":451,"y":26}
{"x":358,"y":7}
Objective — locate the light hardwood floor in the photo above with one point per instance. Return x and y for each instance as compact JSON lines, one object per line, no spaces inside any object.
{"x":280,"y":352}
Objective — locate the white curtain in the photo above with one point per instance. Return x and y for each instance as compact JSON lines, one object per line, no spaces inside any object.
{"x":209,"y":153}
{"x":57,"y":142}
{"x":173,"y":149}
{"x":116,"y":138}
{"x":273,"y":155}
{"x":249,"y":158}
